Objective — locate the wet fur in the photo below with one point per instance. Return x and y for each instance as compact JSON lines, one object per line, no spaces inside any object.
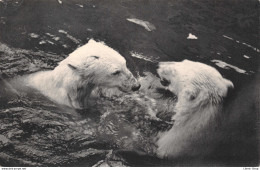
{"x":201,"y":91}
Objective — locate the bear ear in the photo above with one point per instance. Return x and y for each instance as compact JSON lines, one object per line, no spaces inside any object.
{"x":191,"y":94}
{"x":228,"y":83}
{"x":91,"y":41}
{"x":229,"y":86}
{"x":72,"y":67}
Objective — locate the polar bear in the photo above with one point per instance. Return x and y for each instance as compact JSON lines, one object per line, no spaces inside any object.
{"x":200,"y":90}
{"x":90,"y":66}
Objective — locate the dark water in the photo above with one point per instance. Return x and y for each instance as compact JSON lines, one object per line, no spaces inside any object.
{"x":36,"y":35}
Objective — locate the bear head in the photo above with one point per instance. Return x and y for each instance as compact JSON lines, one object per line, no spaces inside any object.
{"x":194,"y":83}
{"x":102,"y":66}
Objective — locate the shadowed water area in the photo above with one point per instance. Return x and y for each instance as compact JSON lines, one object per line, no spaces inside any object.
{"x":36,"y":35}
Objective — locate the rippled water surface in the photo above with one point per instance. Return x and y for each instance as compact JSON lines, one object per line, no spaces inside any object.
{"x":121,"y":131}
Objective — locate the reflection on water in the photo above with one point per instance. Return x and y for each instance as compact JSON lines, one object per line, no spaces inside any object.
{"x":121,"y":131}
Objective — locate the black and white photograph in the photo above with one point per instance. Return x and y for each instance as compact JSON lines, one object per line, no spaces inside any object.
{"x":129,"y":83}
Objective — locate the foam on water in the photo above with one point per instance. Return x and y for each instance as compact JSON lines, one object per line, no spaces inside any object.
{"x":225,"y":65}
{"x":62,"y":31}
{"x":246,"y":56}
{"x":228,"y":37}
{"x":33,"y":35}
{"x":42,"y":42}
{"x":49,"y":34}
{"x":50,"y":42}
{"x":75,"y":40}
{"x":141,"y":56}
{"x":56,"y":38}
{"x":192,"y":37}
{"x":243,"y":43}
{"x":79,"y":5}
{"x":147,"y":25}
{"x":65,"y":46}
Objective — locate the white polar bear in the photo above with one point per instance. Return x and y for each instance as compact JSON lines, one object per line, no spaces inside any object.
{"x":90,"y":66}
{"x":200,"y":90}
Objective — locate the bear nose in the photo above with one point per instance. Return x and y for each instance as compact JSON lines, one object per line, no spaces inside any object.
{"x":136,"y":87}
{"x":165,"y":82}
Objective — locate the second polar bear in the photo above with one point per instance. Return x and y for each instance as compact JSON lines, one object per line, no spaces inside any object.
{"x":200,"y":90}
{"x":90,"y":66}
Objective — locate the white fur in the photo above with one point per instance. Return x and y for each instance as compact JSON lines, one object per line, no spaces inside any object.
{"x":90,"y":66}
{"x":200,"y":90}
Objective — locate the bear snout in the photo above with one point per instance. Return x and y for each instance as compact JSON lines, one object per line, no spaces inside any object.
{"x":136,"y":87}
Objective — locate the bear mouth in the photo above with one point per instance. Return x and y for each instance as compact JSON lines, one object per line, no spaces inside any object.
{"x":123,"y":90}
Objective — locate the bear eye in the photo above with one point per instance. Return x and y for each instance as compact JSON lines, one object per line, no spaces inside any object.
{"x":116,"y":73}
{"x":165,"y":82}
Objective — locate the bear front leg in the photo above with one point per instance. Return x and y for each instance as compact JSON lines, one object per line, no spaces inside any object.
{"x":172,"y":144}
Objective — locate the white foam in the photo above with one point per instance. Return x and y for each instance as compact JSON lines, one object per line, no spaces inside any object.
{"x":225,"y":65}
{"x":81,"y":6}
{"x":49,"y":34}
{"x":147,"y":25}
{"x":250,"y":46}
{"x":75,"y":40}
{"x":42,"y":42}
{"x":62,"y":31}
{"x":56,"y":38}
{"x":50,"y":42}
{"x":227,"y":37}
{"x":60,"y":1}
{"x":192,"y":37}
{"x":53,"y":36}
{"x":246,"y":56}
{"x":243,"y":43}
{"x":33,"y":35}
{"x":65,"y":46}
{"x":141,"y":56}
